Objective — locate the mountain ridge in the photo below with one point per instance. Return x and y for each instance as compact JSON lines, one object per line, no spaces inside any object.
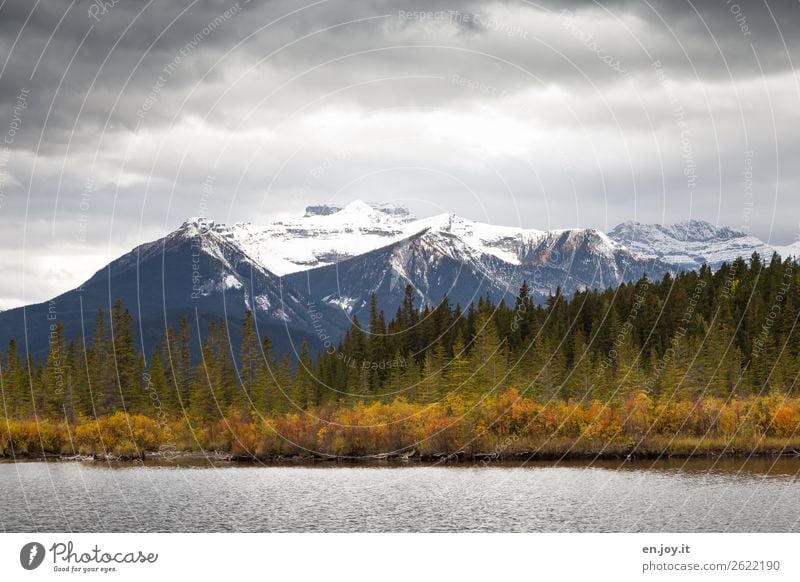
{"x":334,"y":258}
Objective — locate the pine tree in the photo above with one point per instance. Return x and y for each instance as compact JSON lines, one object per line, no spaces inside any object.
{"x":132,"y":397}
{"x":431,"y":386}
{"x":629,"y":377}
{"x":15,"y":385}
{"x":580,"y":383}
{"x":457,"y":373}
{"x":521,"y":327}
{"x":250,"y":361}
{"x":225,"y":381}
{"x":179,"y":363}
{"x":285,"y":400}
{"x":267,"y":389}
{"x":103,"y":384}
{"x":55,"y":376}
{"x":78,"y":403}
{"x":376,"y":347}
{"x":302,"y":392}
{"x":165,"y":396}
{"x":203,"y":407}
{"x":409,"y":318}
{"x":549,"y":370}
{"x":487,"y":356}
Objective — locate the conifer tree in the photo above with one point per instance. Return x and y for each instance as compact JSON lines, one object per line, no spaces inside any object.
{"x":179,"y":369}
{"x":103,"y":383}
{"x":267,"y":391}
{"x":15,"y":384}
{"x":124,"y":357}
{"x":285,"y":399}
{"x":159,"y":384}
{"x":250,"y":361}
{"x":55,"y":376}
{"x":203,"y":407}
{"x":303,"y":385}
{"x":457,"y":373}
{"x":580,"y":383}
{"x":488,"y":365}
{"x":431,"y":386}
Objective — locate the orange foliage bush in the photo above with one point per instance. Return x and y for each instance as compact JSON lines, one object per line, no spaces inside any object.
{"x":497,"y":423}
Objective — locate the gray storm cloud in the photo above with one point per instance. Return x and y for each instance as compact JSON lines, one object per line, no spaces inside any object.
{"x":121,"y":119}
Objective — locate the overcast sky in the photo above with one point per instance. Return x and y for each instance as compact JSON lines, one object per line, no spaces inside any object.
{"x":119,"y":122}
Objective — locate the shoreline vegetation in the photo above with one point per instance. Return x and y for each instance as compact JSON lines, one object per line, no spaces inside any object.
{"x":499,"y":428}
{"x":700,"y":364}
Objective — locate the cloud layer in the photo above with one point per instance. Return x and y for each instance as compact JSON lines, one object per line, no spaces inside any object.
{"x":120,"y":120}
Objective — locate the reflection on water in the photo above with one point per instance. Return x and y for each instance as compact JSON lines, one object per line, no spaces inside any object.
{"x":758,"y":466}
{"x":667,"y":495}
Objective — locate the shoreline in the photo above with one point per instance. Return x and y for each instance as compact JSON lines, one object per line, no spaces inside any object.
{"x":457,"y":459}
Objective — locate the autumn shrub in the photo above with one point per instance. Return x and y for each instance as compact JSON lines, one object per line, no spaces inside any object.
{"x":126,"y":449}
{"x":23,"y":437}
{"x":270,"y":443}
{"x":785,"y":420}
{"x":145,"y":432}
{"x":498,"y":423}
{"x":120,"y":433}
{"x":636,"y":415}
{"x":243,"y":435}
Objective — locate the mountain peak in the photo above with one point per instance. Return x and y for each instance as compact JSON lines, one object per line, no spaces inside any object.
{"x":330,"y":233}
{"x":357,"y":207}
{"x":197,"y":225}
{"x":688,"y":244}
{"x":443,"y":221}
{"x":321,"y":210}
{"x":197,"y":220}
{"x":692,"y":230}
{"x":375,"y":210}
{"x":394,"y":210}
{"x":701,"y":230}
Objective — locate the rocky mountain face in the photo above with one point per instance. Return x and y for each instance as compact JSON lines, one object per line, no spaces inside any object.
{"x":305,"y":278}
{"x":194,"y":272}
{"x":465,"y":260}
{"x":689,"y":244}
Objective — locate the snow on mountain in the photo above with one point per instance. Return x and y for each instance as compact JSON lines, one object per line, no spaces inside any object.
{"x":447,"y":255}
{"x":364,"y":248}
{"x":477,"y":238}
{"x":433,"y":262}
{"x":327,"y":234}
{"x":206,"y":261}
{"x":323,"y":236}
{"x":334,"y":257}
{"x":587,"y":256}
{"x":689,"y":244}
{"x":198,"y":272}
{"x":792,"y":250}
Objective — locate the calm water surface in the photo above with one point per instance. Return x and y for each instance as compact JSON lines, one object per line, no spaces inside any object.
{"x":731,"y":495}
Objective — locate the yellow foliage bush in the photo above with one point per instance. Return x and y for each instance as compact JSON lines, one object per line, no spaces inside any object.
{"x":501,"y":422}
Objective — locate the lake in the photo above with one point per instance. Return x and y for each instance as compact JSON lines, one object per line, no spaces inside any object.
{"x":666,"y":496}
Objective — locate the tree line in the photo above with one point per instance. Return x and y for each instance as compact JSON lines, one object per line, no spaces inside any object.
{"x":729,"y":333}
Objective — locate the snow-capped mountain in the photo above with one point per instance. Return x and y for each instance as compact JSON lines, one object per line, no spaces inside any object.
{"x":464,"y":260}
{"x":329,"y":234}
{"x":194,"y":272}
{"x":304,"y":278}
{"x":325,"y":235}
{"x":588,"y":258}
{"x":689,"y":244}
{"x":220,"y":271}
{"x":340,"y":255}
